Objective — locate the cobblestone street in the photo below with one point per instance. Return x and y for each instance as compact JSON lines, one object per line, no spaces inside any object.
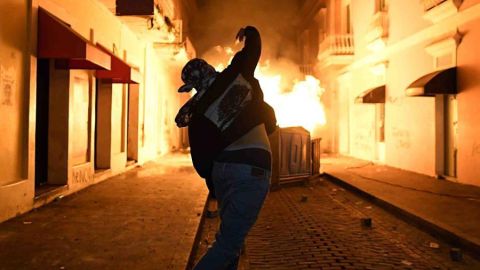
{"x":146,"y":218}
{"x":319,"y":226}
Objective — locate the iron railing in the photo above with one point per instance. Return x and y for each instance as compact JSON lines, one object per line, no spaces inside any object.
{"x":306,"y":69}
{"x":337,"y":45}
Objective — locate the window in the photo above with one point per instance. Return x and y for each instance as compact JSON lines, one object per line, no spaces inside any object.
{"x":380,"y":5}
{"x":81,"y":121}
{"x":348,"y":20}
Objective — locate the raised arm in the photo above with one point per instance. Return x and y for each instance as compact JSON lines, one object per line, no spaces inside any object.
{"x":246,"y":60}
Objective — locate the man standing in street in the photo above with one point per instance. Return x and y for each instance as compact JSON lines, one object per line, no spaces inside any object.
{"x":228,"y":125}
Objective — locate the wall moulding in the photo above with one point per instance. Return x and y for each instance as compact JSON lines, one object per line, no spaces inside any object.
{"x":379,"y":69}
{"x":444,"y":51}
{"x":444,"y":46}
{"x":377,"y":34}
{"x":436,"y":10}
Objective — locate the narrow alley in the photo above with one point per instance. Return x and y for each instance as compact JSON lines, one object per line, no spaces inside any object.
{"x":353,"y":123}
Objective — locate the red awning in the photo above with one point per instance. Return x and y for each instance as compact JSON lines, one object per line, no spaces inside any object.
{"x":120,"y":71}
{"x":373,"y":95}
{"x":440,"y":82}
{"x":57,"y":40}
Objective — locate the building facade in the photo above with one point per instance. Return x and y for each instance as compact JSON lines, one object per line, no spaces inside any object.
{"x":85,"y":94}
{"x":402,"y":83}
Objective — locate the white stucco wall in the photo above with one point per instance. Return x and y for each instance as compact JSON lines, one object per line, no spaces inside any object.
{"x":18,"y":97}
{"x":468,"y":104}
{"x":16,"y":184}
{"x":410,"y":128}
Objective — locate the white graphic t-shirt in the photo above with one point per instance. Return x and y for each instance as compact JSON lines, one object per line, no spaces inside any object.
{"x":225,"y":109}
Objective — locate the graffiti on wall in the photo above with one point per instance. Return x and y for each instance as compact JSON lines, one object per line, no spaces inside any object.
{"x":396,"y":100}
{"x":362,"y":122}
{"x":401,"y":137}
{"x":82,"y":175}
{"x":363,"y":139}
{"x":7,"y":85}
{"x":476,"y":149}
{"x":361,"y":143}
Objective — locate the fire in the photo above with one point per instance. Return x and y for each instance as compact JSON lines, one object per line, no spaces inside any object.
{"x":296,"y":102}
{"x":299,"y":107}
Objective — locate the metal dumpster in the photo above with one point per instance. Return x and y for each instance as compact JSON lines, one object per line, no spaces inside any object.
{"x":291,"y":155}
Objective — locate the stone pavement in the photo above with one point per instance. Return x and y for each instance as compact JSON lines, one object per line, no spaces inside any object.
{"x":146,"y":218}
{"x":206,"y":237}
{"x":318,"y":226}
{"x":450,"y":210}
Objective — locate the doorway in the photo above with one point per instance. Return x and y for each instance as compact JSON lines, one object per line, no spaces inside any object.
{"x":380,"y":132}
{"x":52,"y":113}
{"x":451,"y":120}
{"x":446,"y":136}
{"x":103,"y":126}
{"x":132,"y":124}
{"x":42,"y":123}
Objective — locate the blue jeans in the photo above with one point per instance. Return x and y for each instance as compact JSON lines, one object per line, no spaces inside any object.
{"x":241,"y":190}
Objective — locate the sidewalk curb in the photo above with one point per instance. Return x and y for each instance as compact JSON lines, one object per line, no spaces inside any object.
{"x":191,"y":256}
{"x":429,"y":227}
{"x":243,"y":262}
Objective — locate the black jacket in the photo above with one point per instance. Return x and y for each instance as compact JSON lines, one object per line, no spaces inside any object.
{"x":206,"y":141}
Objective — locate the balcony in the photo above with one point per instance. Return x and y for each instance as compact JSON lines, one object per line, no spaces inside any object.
{"x":336,"y":50}
{"x":377,"y":34}
{"x":437,"y":10}
{"x":307,"y":69}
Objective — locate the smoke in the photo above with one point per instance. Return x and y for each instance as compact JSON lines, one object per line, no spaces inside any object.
{"x":218,"y":21}
{"x":169,"y":62}
{"x":296,"y":98}
{"x":219,"y":57}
